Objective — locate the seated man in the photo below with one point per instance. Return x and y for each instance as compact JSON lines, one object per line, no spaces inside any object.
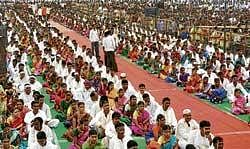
{"x":42,"y":142}
{"x":92,"y":141}
{"x":102,"y":118}
{"x":37,"y":126}
{"x":184,"y":127}
{"x":202,"y":138}
{"x":120,"y":141}
{"x":110,"y":131}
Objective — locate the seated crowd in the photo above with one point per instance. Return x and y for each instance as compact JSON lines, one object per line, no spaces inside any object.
{"x":99,"y":109}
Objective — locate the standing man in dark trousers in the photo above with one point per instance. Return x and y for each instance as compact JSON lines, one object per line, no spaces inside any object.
{"x":109,"y":50}
{"x":94,"y":39}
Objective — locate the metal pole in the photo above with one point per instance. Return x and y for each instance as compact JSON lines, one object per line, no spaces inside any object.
{"x":224,"y":31}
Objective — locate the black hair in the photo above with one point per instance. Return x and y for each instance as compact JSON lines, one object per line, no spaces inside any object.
{"x":142,"y":85}
{"x":116,"y":115}
{"x":92,"y":132}
{"x":119,"y":125}
{"x":165,"y":99}
{"x":41,"y":135}
{"x":166,"y":127}
{"x":39,"y":119}
{"x":217,"y":139}
{"x":131,"y":143}
{"x":124,"y":81}
{"x":145,"y":95}
{"x":190,"y":146}
{"x":159,"y":117}
{"x":204,"y":123}
{"x":103,"y":100}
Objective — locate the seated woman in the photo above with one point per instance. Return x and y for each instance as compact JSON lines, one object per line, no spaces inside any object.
{"x":133,"y":54}
{"x":182,"y":78}
{"x":167,"y":140}
{"x":130,"y":107}
{"x":16,"y":121}
{"x":193,"y":84}
{"x":204,"y":89}
{"x":239,"y":104}
{"x":82,"y":114}
{"x":59,"y":95}
{"x":172,"y":76}
{"x":156,"y":65}
{"x":217,"y":92}
{"x":111,"y":94}
{"x":120,"y":101}
{"x":157,"y":131}
{"x":148,"y":61}
{"x":165,"y":70}
{"x":141,"y":120}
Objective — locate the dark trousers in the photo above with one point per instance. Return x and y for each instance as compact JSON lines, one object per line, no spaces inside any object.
{"x":95,"y":48}
{"x":110,"y":60}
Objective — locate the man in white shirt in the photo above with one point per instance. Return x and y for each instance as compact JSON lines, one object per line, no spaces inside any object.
{"x":232,"y":86}
{"x":109,"y":48}
{"x":184,"y":127}
{"x":120,"y":140}
{"x":201,"y":138}
{"x":34,"y":84}
{"x":38,"y":125}
{"x":103,"y":117}
{"x":150,"y":105}
{"x":21,"y":81}
{"x":127,"y":91}
{"x":110,"y":131}
{"x":36,"y":112}
{"x":94,"y":39}
{"x":168,"y":112}
{"x":27,"y":95}
{"x":95,"y":107}
{"x":142,"y":90}
{"x":42,"y":142}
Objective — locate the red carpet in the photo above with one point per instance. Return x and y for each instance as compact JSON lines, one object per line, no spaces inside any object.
{"x":236,"y":134}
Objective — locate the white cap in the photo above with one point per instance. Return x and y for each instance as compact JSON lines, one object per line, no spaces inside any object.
{"x":186,"y":111}
{"x":123,"y":75}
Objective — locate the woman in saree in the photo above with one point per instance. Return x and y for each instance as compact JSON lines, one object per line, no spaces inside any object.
{"x":193,"y":84}
{"x":60,"y":94}
{"x":120,"y":101}
{"x":133,"y":54}
{"x":40,"y":66}
{"x":80,"y":135}
{"x":141,"y":120}
{"x":111,"y":94}
{"x":204,"y":89}
{"x":16,"y":121}
{"x":239,"y":104}
{"x":165,"y":70}
{"x":167,"y":140}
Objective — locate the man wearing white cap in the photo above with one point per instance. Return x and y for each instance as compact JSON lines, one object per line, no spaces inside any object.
{"x":123,"y":76}
{"x":34,"y":84}
{"x":27,"y":95}
{"x":21,"y":81}
{"x":184,"y":127}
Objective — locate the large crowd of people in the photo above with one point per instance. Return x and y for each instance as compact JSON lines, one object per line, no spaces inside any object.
{"x":99,"y":108}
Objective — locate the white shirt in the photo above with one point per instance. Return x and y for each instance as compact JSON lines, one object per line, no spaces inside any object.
{"x":169,"y":115}
{"x":48,"y":145}
{"x":183,"y":131}
{"x":32,"y":134}
{"x":111,"y":132}
{"x":199,"y":141}
{"x":37,"y":86}
{"x":101,"y":120}
{"x":30,"y":116}
{"x":116,"y":143}
{"x":26,"y":98}
{"x":109,"y":43}
{"x":93,"y":35}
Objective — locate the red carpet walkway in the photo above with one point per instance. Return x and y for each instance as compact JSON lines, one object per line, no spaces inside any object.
{"x":236,"y":134}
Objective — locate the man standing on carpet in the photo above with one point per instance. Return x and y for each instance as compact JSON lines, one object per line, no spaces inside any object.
{"x":94,"y":38}
{"x":109,"y":51}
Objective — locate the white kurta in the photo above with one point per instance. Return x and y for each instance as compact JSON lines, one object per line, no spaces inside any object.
{"x":199,"y":141}
{"x":101,"y":120}
{"x":183,"y":131}
{"x":116,"y":143}
{"x":169,"y":115}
